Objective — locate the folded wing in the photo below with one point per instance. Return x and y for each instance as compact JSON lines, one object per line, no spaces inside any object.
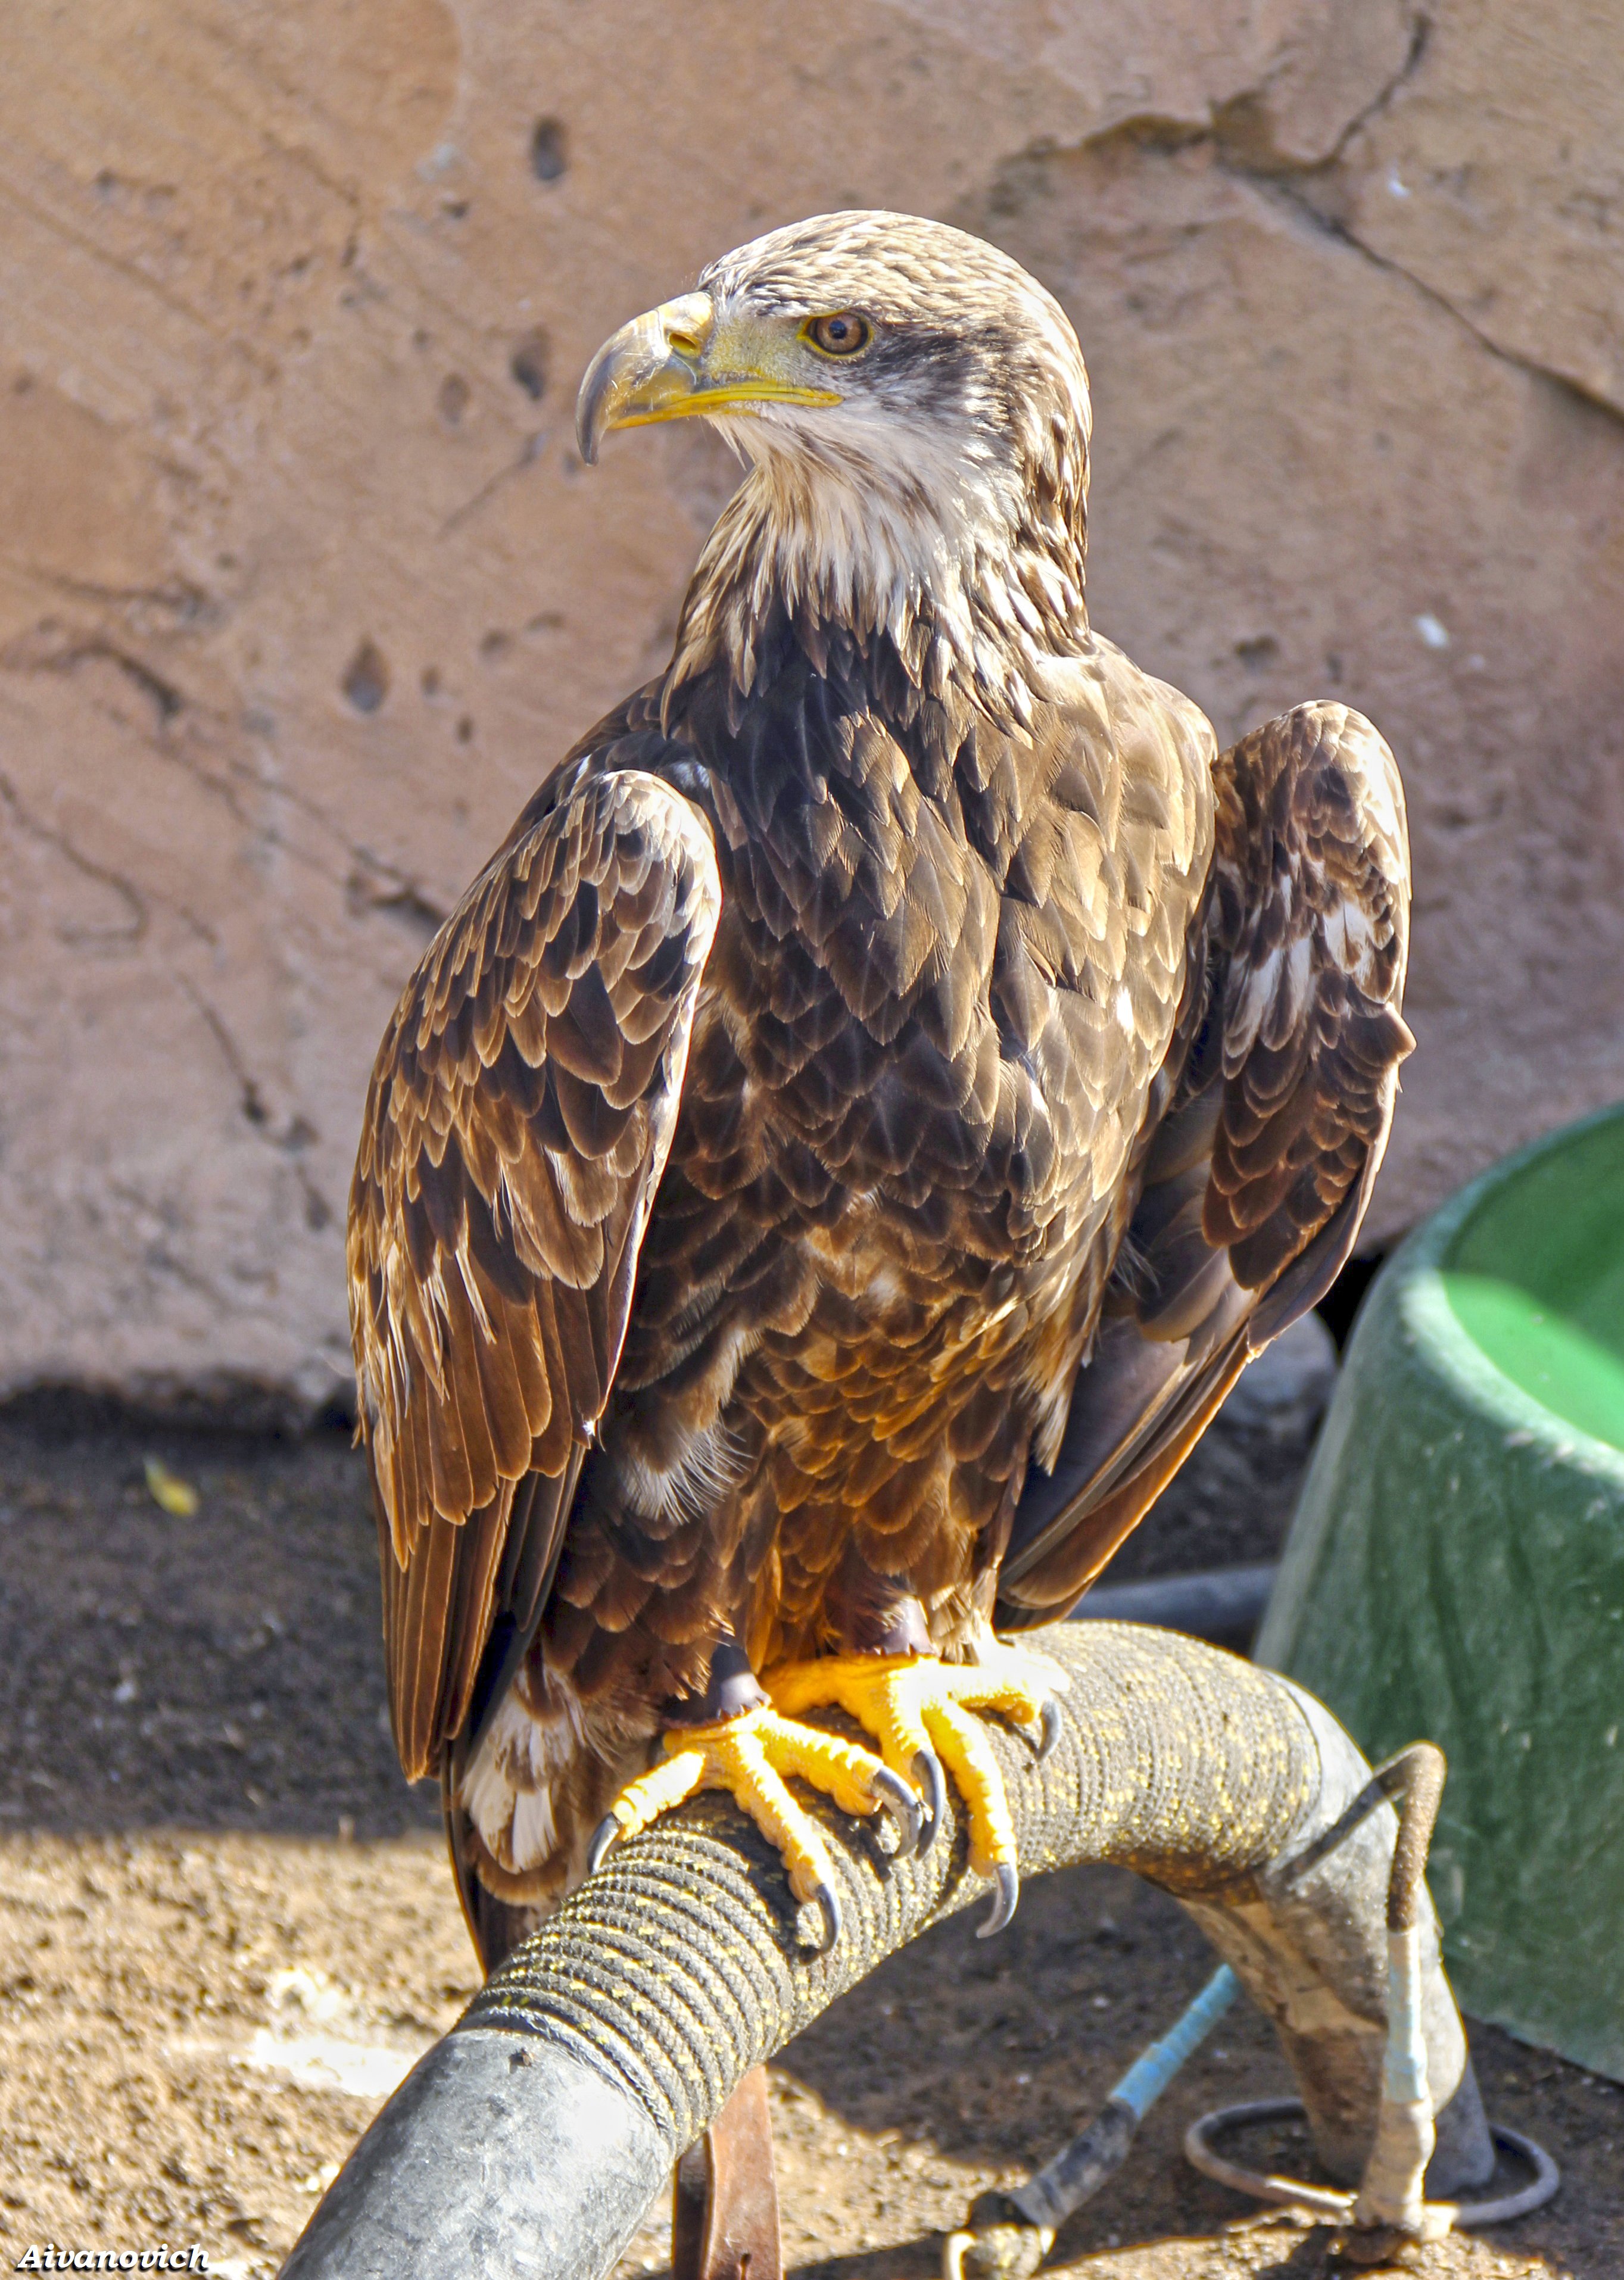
{"x":1258,"y":1173}
{"x":521,"y":1113}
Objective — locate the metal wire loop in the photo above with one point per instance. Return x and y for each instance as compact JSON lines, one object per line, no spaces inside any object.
{"x":1326,"y":2200}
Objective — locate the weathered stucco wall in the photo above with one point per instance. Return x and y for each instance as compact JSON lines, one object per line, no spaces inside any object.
{"x":302,"y":587}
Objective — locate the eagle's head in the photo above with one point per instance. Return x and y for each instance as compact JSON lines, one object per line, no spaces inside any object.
{"x":913,"y":410}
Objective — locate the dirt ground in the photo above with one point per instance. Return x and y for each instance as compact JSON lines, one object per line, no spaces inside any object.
{"x":227,"y":1927}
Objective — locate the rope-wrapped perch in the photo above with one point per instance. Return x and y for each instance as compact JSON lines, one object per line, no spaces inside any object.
{"x":531,"y":2140}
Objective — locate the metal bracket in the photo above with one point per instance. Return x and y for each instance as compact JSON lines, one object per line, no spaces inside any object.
{"x":724,"y":2201}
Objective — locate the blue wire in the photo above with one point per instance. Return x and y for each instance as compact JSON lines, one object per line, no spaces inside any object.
{"x":1153,"y":2070}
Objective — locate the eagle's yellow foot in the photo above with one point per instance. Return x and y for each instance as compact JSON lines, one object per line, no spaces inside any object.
{"x":748,"y":1756}
{"x":919,"y":1710}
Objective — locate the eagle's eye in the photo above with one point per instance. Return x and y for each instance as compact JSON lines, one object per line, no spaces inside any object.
{"x":843,"y":335}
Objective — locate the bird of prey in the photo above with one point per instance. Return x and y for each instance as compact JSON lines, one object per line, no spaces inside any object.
{"x":836,"y":1159}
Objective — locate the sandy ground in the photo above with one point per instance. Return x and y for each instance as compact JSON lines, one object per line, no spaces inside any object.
{"x":225,"y":1928}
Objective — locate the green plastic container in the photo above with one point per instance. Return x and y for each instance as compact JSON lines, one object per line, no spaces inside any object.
{"x":1456,"y":1571}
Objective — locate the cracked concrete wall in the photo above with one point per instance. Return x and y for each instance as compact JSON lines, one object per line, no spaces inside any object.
{"x":302,"y":587}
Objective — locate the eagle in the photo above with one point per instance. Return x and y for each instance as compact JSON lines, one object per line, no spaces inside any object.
{"x":836,"y":1157}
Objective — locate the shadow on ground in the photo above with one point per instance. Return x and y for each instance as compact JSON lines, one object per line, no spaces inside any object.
{"x":221,"y":1671}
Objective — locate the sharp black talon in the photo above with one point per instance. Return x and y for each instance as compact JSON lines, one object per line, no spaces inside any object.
{"x":905,"y":1808}
{"x":928,"y":1767}
{"x":1003,"y":1901}
{"x":1050,"y":1730}
{"x":828,"y":1906}
{"x":602,"y":1836}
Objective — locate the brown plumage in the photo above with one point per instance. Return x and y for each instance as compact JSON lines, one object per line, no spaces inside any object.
{"x":894,"y":1074}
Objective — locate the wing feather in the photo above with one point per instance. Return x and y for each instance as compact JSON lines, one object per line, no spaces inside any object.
{"x":520,"y":1112}
{"x":1256,"y":1181}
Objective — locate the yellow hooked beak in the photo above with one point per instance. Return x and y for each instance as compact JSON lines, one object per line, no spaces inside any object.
{"x":677,"y":363}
